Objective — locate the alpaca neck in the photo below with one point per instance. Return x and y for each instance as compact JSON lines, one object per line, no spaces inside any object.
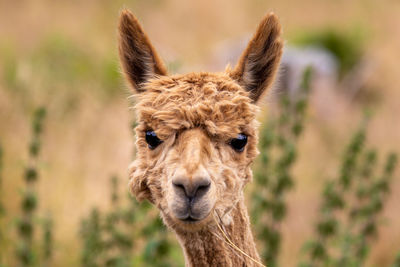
{"x":209,"y":246}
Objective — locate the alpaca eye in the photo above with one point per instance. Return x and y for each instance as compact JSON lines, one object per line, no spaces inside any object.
{"x":152,"y":140}
{"x":239,"y":143}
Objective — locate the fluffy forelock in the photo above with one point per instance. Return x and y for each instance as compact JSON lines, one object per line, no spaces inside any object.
{"x":214,"y":102}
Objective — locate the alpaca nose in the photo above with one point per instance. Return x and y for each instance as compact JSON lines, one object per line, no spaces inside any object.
{"x":192,"y":188}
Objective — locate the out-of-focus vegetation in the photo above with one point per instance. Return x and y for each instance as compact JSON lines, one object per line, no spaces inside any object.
{"x":272,"y":175}
{"x":27,"y":249}
{"x":128,"y":234}
{"x":347,"y":47}
{"x":397,"y":261}
{"x":63,"y":55}
{"x":56,"y":69}
{"x":348,"y":219}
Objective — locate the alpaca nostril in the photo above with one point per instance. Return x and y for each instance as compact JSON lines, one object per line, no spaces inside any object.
{"x":179,"y":186}
{"x":203,"y":187}
{"x":192,"y":188}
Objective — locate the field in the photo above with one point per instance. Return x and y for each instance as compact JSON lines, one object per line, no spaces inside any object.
{"x":63,"y":55}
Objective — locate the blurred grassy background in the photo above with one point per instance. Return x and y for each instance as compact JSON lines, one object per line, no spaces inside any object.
{"x":63,"y":54}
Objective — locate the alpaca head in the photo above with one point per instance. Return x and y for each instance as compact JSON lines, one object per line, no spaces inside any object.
{"x":196,"y":133}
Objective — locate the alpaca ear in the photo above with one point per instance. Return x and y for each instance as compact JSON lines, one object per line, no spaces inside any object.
{"x":258,"y":64}
{"x":139,"y":59}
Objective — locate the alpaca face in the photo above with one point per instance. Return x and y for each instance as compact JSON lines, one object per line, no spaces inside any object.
{"x":196,"y":133}
{"x":196,"y":139}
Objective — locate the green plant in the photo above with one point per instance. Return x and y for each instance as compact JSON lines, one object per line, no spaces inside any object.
{"x":350,"y":207}
{"x":272,"y":174}
{"x":119,"y":241}
{"x":26,"y":253}
{"x":107,"y":239}
{"x":396,"y":262}
{"x":91,"y":235}
{"x":26,"y":229}
{"x":47,"y":239}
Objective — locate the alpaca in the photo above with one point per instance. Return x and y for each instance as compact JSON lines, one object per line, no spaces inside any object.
{"x":196,"y":140}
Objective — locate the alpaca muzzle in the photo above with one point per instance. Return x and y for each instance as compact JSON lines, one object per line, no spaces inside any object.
{"x":191,"y":202}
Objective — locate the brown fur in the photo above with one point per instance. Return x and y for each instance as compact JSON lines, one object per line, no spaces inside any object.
{"x":196,"y":115}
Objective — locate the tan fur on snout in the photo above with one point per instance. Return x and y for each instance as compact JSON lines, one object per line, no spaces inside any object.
{"x":194,"y":152}
{"x":196,"y":116}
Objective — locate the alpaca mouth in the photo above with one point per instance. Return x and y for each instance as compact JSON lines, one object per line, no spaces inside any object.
{"x":190,"y":213}
{"x":190,"y":219}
